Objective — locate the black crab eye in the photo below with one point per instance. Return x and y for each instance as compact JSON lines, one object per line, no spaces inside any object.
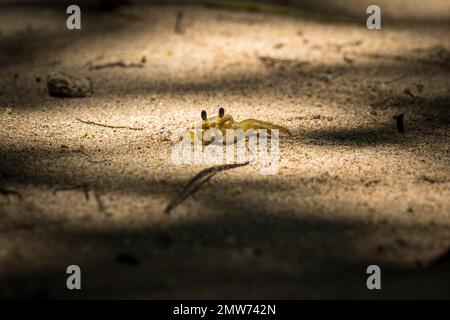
{"x":221,"y":112}
{"x":204,"y":115}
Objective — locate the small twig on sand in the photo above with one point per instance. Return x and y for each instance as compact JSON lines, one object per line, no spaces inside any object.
{"x":178,"y":22}
{"x":381,"y":56}
{"x":119,"y":63}
{"x":84,"y":187}
{"x":108,"y":126}
{"x":89,"y":158}
{"x":197,"y":181}
{"x":400,"y":125}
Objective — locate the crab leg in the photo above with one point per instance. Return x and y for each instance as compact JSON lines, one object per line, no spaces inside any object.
{"x":259,"y":124}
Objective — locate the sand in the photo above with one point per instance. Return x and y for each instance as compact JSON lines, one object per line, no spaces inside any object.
{"x":351,"y":191}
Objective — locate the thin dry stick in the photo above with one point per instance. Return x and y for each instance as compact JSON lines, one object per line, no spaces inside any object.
{"x":119,"y":63}
{"x":178,"y":22}
{"x":380,"y":56}
{"x":108,"y":126}
{"x":399,"y":120}
{"x":197,"y":181}
{"x":84,"y":187}
{"x":89,"y":158}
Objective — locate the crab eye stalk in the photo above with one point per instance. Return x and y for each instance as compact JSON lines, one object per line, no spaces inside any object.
{"x":204,"y":115}
{"x":221,"y":112}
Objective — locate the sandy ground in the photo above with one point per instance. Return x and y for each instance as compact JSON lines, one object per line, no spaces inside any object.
{"x":350,"y":191}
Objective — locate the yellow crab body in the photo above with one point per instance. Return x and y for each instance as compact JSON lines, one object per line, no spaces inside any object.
{"x":214,"y":129}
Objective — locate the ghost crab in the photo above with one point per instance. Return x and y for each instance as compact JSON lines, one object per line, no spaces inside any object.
{"x":214,"y":129}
